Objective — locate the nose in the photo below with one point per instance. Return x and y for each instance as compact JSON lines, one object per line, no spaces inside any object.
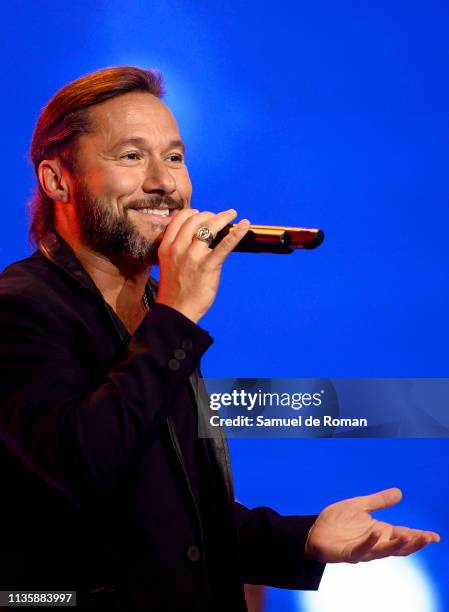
{"x":159,"y":179}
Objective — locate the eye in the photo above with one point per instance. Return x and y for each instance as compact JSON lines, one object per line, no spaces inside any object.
{"x":131,"y":155}
{"x":176,"y":158}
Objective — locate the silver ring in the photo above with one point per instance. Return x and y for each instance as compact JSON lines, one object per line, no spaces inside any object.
{"x":205,"y":235}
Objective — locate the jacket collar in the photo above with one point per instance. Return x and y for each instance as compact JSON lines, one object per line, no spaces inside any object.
{"x":56,"y":249}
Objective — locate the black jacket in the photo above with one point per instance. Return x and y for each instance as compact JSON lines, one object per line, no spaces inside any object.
{"x":106,"y":489}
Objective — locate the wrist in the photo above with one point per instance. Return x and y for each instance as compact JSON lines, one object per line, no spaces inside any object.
{"x":186,"y":312}
{"x":307,"y":547}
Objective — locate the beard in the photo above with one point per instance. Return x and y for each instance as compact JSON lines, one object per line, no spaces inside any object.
{"x":116,"y":237}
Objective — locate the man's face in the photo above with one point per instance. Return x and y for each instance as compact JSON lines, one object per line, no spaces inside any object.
{"x":130,"y":178}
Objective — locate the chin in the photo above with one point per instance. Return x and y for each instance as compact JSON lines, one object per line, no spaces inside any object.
{"x":153,"y":233}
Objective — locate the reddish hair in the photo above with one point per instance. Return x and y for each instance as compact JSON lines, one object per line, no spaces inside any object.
{"x":66,"y":116}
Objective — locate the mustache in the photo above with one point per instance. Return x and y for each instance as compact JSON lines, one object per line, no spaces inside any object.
{"x":154,"y":201}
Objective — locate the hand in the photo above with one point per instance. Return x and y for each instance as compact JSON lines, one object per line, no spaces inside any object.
{"x":189,"y":269}
{"x":346,"y":532}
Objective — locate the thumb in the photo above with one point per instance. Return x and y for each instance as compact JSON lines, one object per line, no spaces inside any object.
{"x":378,"y":501}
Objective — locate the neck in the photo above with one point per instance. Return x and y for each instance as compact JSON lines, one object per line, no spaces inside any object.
{"x":122,"y":290}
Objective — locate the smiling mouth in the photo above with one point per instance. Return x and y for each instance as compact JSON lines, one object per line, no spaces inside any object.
{"x":157,"y":212}
{"x":159,"y":217}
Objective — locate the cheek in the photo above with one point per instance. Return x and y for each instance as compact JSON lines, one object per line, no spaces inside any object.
{"x":185,"y":186}
{"x":114,"y":182}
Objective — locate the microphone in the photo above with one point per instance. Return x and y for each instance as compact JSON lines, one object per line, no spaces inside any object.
{"x":273,"y":239}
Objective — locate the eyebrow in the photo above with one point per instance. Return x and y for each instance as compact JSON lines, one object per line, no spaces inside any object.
{"x":142,"y":143}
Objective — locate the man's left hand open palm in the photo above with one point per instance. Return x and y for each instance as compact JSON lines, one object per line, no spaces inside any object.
{"x":346,"y":532}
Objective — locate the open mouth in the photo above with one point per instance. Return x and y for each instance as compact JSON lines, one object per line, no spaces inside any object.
{"x":158,"y":212}
{"x":155,"y":216}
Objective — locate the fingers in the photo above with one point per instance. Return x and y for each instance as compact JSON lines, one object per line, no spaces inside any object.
{"x":182,"y":229}
{"x":189,"y":269}
{"x":379,"y":501}
{"x":186,"y":223}
{"x":214,"y":223}
{"x":228,"y":243}
{"x":188,"y":229}
{"x":175,"y":225}
{"x":407,"y":531}
{"x":218,"y":221}
{"x":399,"y":547}
{"x":403,"y":542}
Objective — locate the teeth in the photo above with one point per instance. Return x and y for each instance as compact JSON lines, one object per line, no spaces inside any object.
{"x":156,"y":211}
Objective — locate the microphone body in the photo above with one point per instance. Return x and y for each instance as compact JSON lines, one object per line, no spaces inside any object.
{"x":273,"y":239}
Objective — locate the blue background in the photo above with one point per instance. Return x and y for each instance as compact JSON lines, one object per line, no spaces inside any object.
{"x":322,"y":114}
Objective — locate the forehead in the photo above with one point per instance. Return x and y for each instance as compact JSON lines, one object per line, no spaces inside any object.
{"x":136,"y":114}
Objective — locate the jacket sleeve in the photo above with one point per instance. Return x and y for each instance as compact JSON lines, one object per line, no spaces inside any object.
{"x":272,"y":549}
{"x":52,"y":419}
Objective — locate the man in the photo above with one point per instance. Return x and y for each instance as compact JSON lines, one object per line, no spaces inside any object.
{"x":108,"y":490}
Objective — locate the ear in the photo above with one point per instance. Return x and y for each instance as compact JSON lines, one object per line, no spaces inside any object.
{"x":53,"y":180}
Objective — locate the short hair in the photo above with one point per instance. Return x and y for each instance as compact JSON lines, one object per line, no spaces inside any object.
{"x":66,"y":116}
